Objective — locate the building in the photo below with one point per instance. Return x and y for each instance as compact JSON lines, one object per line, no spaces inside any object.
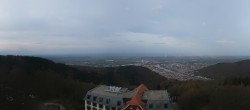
{"x":117,"y":98}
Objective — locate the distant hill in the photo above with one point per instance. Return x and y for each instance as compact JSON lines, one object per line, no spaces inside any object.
{"x":225,"y":70}
{"x":128,"y":76}
{"x":26,"y":81}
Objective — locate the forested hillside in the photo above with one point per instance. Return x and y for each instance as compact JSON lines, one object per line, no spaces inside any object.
{"x":25,"y":82}
{"x":230,"y":94}
{"x":225,"y":70}
{"x":228,"y":89}
{"x":128,"y":76}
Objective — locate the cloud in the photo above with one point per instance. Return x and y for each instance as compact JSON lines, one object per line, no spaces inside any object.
{"x":223,"y":41}
{"x":146,"y":42}
{"x":158,"y":26}
{"x":157,"y":7}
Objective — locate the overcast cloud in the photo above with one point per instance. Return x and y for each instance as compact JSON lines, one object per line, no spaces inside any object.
{"x":154,"y":27}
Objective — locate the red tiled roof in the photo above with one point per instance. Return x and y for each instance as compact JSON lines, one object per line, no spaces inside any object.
{"x":137,"y":97}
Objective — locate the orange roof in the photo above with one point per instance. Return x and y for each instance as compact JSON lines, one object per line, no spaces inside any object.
{"x":137,"y":97}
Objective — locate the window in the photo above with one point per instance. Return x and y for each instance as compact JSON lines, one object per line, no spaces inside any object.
{"x":113,"y":108}
{"x":107,"y":107}
{"x":88,"y":96}
{"x":158,"y":106}
{"x":107,"y":101}
{"x":150,"y":106}
{"x":145,"y":101}
{"x":100,"y":106}
{"x":88,"y":102}
{"x":165,"y":105}
{"x":94,"y":104}
{"x":88,"y":108}
{"x":119,"y":103}
{"x":94,"y":98}
{"x":94,"y":108}
{"x":100,"y":99}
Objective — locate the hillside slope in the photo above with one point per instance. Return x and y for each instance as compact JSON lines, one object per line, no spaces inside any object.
{"x":128,"y":76}
{"x":225,"y":70}
{"x":27,"y":81}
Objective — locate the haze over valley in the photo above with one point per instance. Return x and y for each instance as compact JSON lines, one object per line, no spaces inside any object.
{"x":178,"y":67}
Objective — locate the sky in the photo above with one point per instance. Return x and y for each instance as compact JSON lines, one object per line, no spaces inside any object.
{"x":125,"y":27}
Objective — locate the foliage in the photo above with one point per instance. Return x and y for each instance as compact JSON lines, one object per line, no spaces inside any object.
{"x":221,"y":71}
{"x":26,"y":82}
{"x":210,"y":95}
{"x":128,"y":76}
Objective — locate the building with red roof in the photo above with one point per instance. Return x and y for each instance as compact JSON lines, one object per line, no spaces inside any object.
{"x":136,"y":102}
{"x":117,"y":98}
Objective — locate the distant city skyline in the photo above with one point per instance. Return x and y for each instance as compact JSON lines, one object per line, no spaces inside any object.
{"x":125,"y":27}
